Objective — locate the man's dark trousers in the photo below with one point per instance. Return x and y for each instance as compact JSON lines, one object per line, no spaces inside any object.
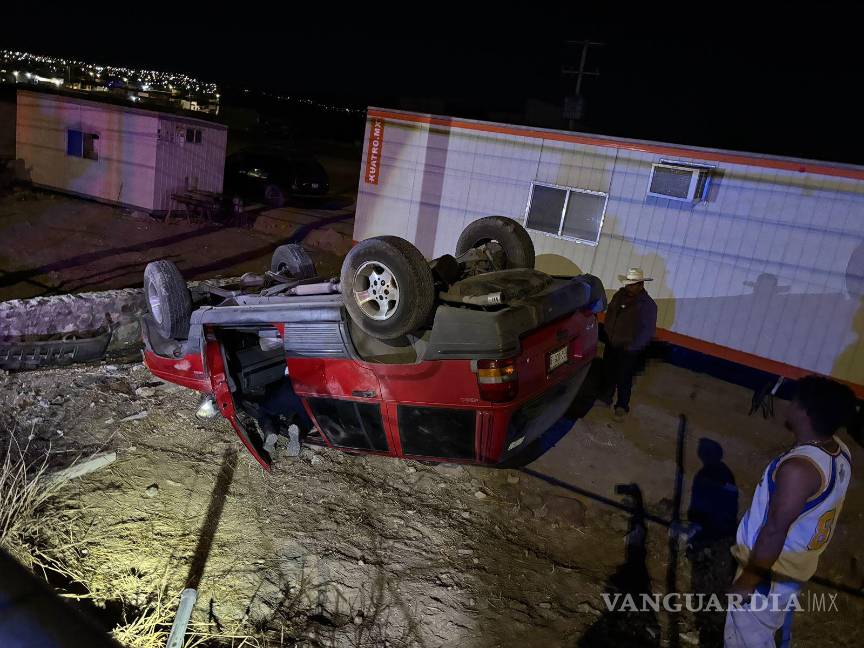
{"x":618,"y":368}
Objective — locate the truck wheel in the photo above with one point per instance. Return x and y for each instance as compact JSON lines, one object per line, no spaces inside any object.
{"x":293,"y":260}
{"x":168,"y":299}
{"x":274,"y":196}
{"x":387,"y":287}
{"x":510,"y":235}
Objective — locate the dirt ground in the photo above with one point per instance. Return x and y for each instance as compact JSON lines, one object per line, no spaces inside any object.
{"x":52,"y":243}
{"x":332,"y":549}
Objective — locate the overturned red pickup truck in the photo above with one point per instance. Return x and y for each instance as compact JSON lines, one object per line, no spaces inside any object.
{"x":468,"y":358}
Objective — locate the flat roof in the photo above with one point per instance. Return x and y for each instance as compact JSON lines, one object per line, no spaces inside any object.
{"x":798,"y":165}
{"x":119,"y":105}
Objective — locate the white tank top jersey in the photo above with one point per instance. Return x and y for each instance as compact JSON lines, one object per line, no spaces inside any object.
{"x":809,"y":534}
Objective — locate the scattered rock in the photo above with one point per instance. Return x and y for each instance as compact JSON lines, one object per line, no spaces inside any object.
{"x":117,"y":385}
{"x":565,"y":510}
{"x":316,"y":460}
{"x":587,"y":608}
{"x":618,"y":522}
{"x":145,"y":392}
{"x":135,"y":417}
{"x":513,"y":478}
{"x":480,"y":495}
{"x":545,"y":605}
{"x":152,"y":490}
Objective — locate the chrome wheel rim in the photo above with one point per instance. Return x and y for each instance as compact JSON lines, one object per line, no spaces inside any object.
{"x":376,"y":292}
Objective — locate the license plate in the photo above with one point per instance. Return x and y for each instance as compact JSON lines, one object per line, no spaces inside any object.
{"x":314,"y":185}
{"x":557,"y":358}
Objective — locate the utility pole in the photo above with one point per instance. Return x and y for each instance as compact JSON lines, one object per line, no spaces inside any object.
{"x":574,"y":106}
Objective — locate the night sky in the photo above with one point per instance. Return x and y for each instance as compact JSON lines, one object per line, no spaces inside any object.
{"x":772,"y":88}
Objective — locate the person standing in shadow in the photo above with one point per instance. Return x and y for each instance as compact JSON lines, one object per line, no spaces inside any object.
{"x":713,"y":514}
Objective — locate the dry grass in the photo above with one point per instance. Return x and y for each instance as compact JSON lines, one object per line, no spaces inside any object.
{"x":38,"y":531}
{"x":28,"y":522}
{"x":150,"y":629}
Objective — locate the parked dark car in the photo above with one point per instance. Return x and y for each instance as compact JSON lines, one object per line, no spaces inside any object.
{"x":274,"y":177}
{"x":468,"y":358}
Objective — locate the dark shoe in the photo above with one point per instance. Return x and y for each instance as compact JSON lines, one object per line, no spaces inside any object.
{"x":620,"y":413}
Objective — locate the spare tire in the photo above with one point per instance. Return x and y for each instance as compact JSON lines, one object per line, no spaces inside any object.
{"x":510,"y":235}
{"x":387,"y":287}
{"x":168,"y":299}
{"x":293,"y":260}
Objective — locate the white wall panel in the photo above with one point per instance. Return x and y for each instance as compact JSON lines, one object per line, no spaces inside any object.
{"x":761,"y":266}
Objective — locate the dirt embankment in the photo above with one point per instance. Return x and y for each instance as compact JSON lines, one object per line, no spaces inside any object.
{"x":333,"y":549}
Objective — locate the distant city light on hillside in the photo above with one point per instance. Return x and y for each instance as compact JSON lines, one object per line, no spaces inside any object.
{"x":163,"y":88}
{"x":143,"y":87}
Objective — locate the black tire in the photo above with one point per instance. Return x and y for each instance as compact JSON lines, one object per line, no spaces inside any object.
{"x":274,"y":196}
{"x":411,"y":276}
{"x":168,"y":299}
{"x":292,"y":259}
{"x":517,"y":245}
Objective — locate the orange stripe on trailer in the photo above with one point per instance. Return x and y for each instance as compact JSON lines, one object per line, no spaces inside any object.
{"x":741,"y":357}
{"x":658,"y":149}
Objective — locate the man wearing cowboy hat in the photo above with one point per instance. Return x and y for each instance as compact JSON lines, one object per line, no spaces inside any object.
{"x":630,"y":322}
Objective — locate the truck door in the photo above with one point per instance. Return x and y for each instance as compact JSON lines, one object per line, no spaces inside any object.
{"x":343,"y":396}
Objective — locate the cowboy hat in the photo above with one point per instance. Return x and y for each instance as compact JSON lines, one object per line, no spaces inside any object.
{"x":634,"y":275}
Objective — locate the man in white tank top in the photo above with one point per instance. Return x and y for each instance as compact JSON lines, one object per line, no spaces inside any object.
{"x":793,"y":514}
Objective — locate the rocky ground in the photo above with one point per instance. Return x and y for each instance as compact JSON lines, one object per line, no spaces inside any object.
{"x":338,"y":550}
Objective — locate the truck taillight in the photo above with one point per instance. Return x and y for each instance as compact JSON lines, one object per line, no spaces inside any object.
{"x":497,"y":380}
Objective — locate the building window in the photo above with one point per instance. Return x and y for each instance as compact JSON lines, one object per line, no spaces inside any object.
{"x":82,"y":145}
{"x":681,"y":181}
{"x":193,"y":135}
{"x":566,"y":212}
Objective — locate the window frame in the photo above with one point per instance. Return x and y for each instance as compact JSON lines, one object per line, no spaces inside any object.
{"x":560,"y":235}
{"x":83,"y":138}
{"x":197,"y":135}
{"x":92,"y":139}
{"x":694,"y":197}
